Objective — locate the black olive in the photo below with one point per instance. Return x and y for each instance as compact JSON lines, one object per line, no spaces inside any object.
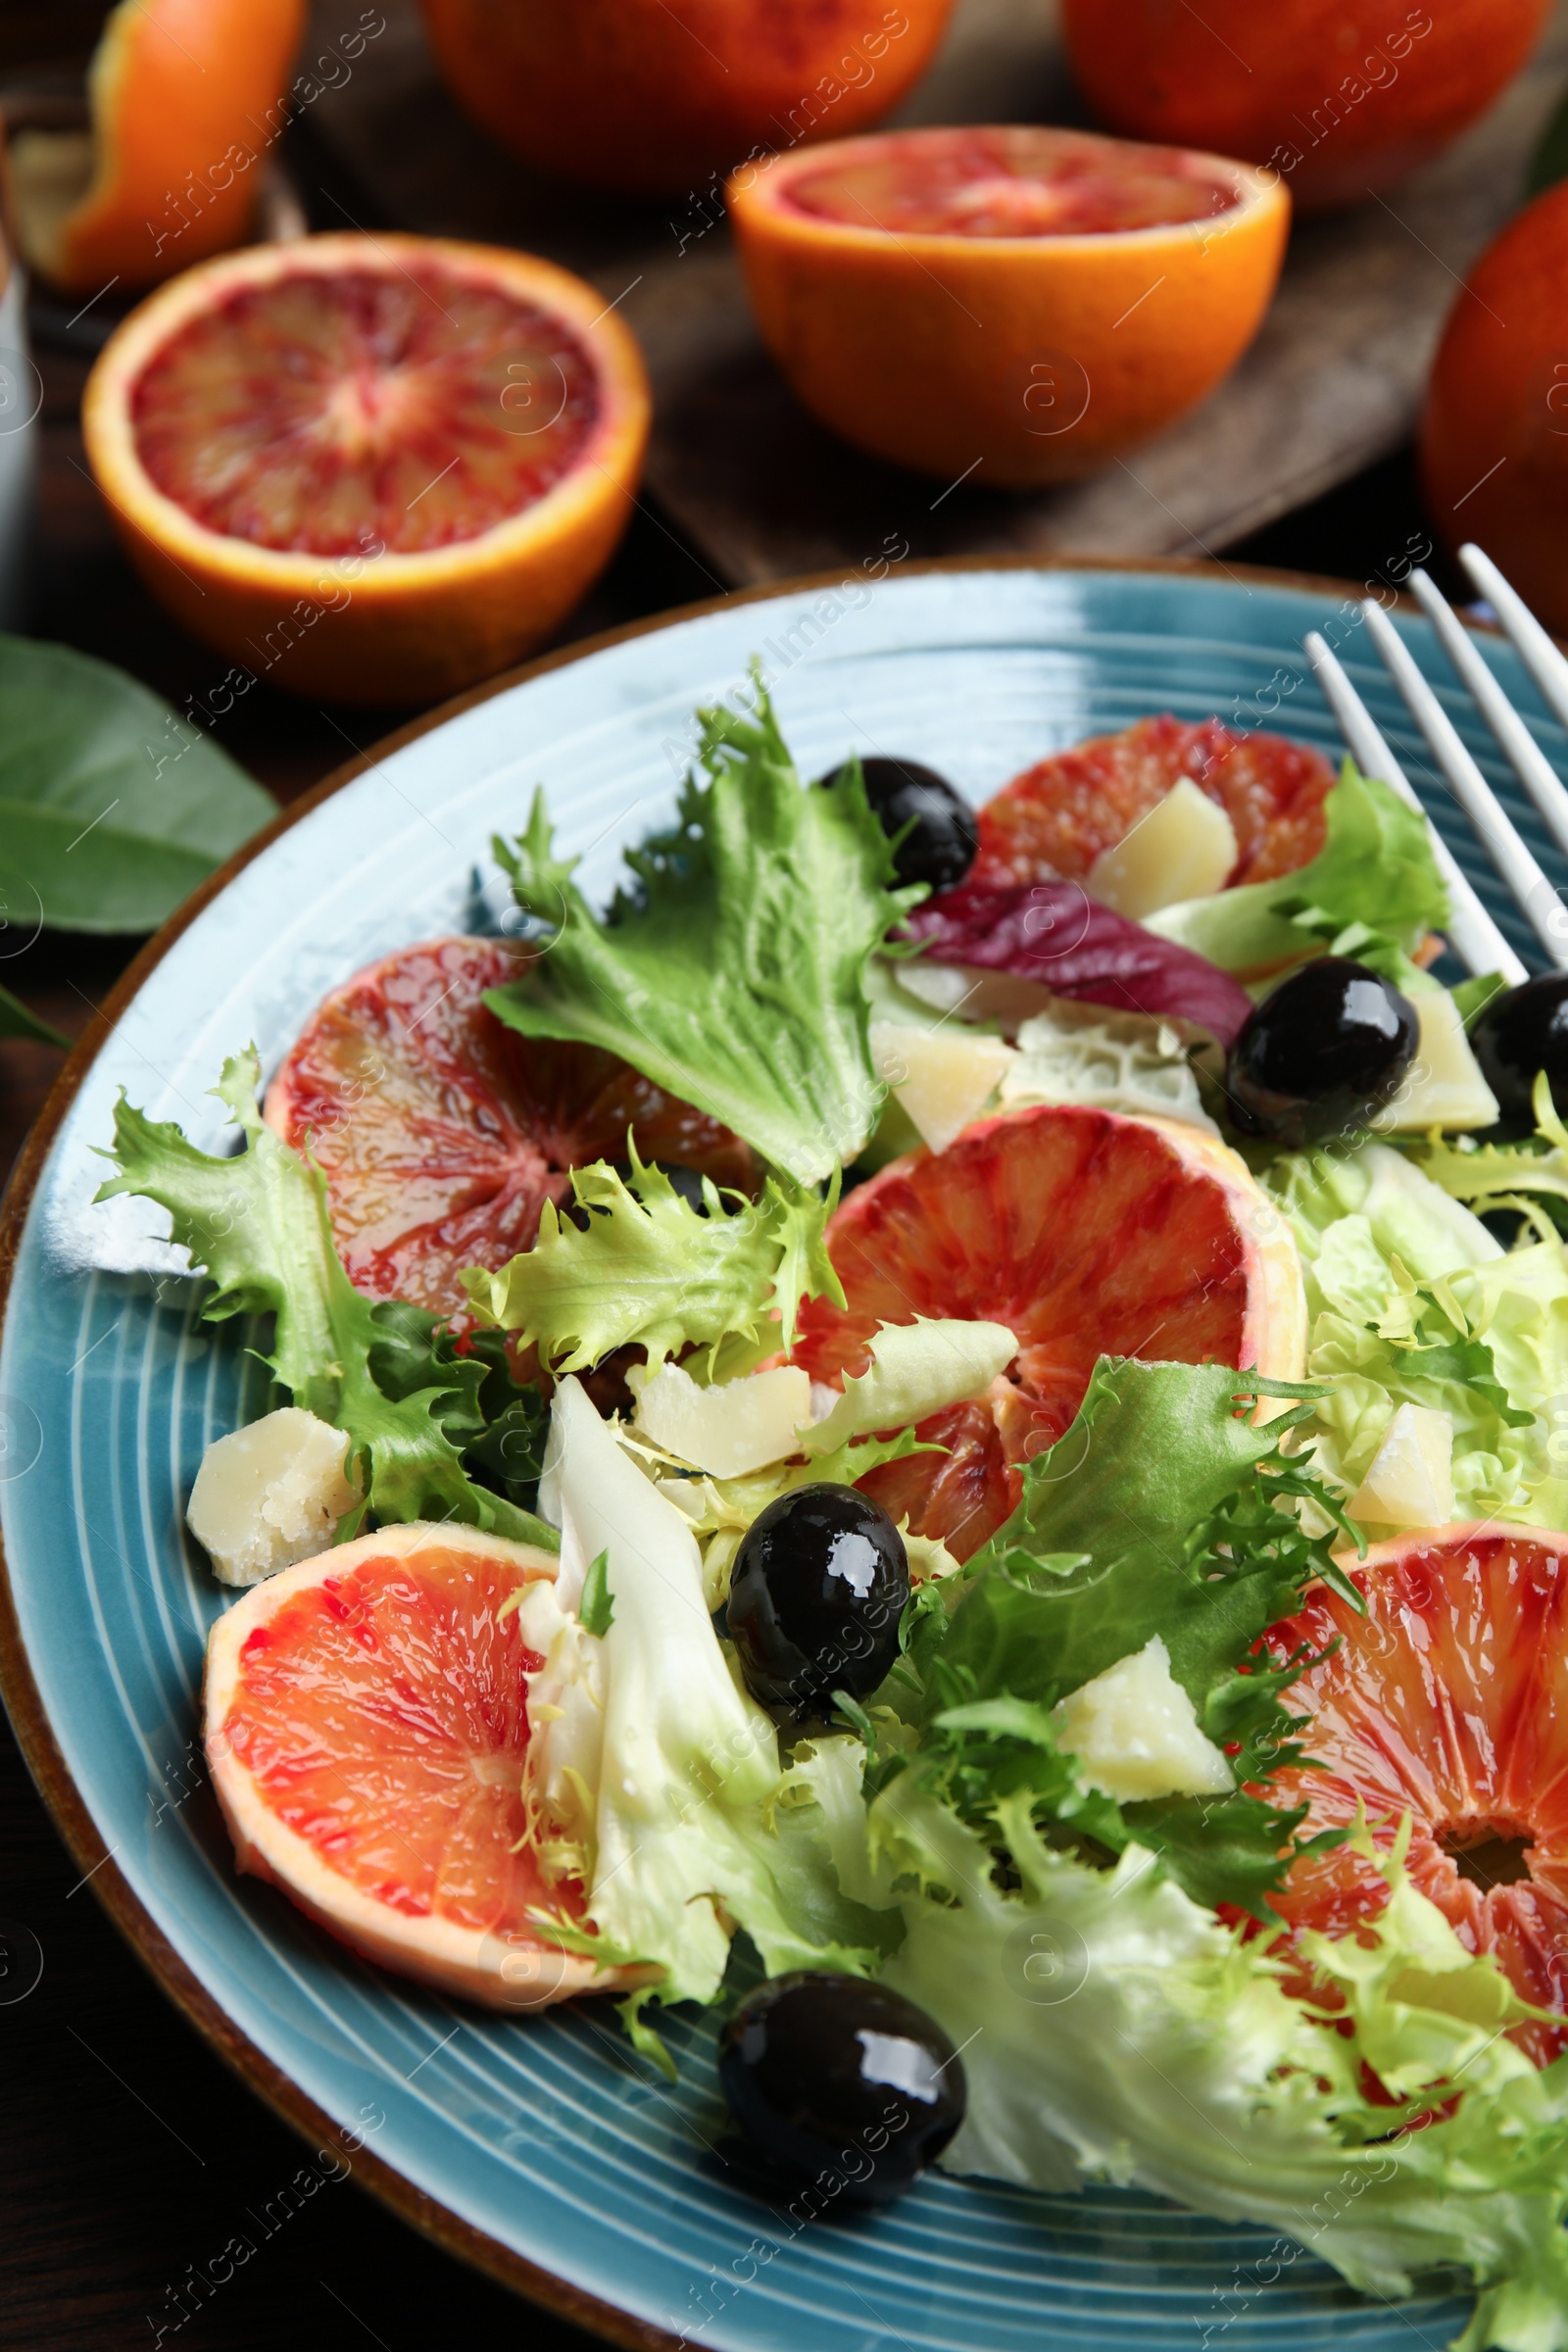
{"x":829,"y":2074}
{"x":1320,"y":1056}
{"x":941,"y":843}
{"x":817,"y":1590}
{"x":1521,"y":1031}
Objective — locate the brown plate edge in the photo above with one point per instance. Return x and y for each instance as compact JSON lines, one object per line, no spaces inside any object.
{"x":18,"y":1689}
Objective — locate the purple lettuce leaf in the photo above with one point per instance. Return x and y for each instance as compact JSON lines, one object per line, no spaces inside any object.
{"x":1054,"y":934}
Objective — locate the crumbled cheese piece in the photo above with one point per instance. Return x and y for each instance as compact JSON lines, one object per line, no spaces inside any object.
{"x":1135,"y":1733}
{"x":269,"y":1494}
{"x":1444,"y":1087}
{"x":941,"y":1078}
{"x":735,"y":1427}
{"x":1184,"y":849}
{"x":1410,"y":1483}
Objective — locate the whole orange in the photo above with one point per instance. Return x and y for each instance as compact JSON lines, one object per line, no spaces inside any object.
{"x":1009,"y":305}
{"x":1341,"y":96}
{"x":1494,"y":432}
{"x":636,"y":95}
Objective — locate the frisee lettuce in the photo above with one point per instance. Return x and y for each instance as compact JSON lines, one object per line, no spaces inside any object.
{"x":647,"y":1266}
{"x":258,"y":1226}
{"x":1112,"y":2028}
{"x":1161,"y":1511}
{"x":1372,"y":892}
{"x":1412,"y":1301}
{"x":735,"y":976}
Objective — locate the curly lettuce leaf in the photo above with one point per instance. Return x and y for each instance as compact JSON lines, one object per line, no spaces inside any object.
{"x":646,"y":1266}
{"x":496,"y":1423}
{"x":1528,"y":1175}
{"x":736,"y":977}
{"x":1372,"y":892}
{"x":1112,"y":2028}
{"x":258,"y":1226}
{"x":1412,"y":1301}
{"x":1161,"y":1511}
{"x":652,"y":1774}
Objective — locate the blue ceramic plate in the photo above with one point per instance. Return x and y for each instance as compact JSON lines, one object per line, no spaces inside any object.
{"x":540,"y":2148}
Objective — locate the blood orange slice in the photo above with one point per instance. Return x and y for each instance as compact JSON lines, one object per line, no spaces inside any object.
{"x":1009,"y":305}
{"x":366,"y":1723}
{"x":1088,"y":1234}
{"x":441,"y":1133}
{"x":379,"y":467}
{"x":1052,"y":822}
{"x":1447,"y":1700}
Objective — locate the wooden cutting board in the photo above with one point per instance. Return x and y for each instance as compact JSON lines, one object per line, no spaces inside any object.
{"x":759,"y":491}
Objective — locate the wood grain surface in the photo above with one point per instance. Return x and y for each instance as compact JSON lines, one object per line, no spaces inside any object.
{"x":1333,"y":382}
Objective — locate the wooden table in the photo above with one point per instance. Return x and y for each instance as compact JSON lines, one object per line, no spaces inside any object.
{"x":127,"y":2150}
{"x":1333,"y":382}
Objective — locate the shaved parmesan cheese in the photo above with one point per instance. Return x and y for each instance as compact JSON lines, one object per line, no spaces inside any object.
{"x":1183,"y":848}
{"x":916,"y":1369}
{"x":1135,"y":1733}
{"x":1410,"y":1483}
{"x":1444,"y":1087}
{"x":738,"y":1426}
{"x":269,"y":1494}
{"x":941,"y":1078}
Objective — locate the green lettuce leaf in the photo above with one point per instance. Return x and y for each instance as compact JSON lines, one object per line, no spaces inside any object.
{"x":1372,"y":892}
{"x":737,"y":977}
{"x":258,"y":1226}
{"x":1112,"y":2028}
{"x":498,"y":1425}
{"x":1412,"y":1301}
{"x":1161,"y":1511}
{"x":647,"y":1266}
{"x":652,"y":1774}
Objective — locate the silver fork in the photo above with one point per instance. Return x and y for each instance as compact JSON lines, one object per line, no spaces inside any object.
{"x":1475,"y":937}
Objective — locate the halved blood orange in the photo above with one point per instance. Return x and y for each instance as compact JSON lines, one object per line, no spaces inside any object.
{"x":366,"y":1723}
{"x":634,"y":94}
{"x":375,"y":467}
{"x":1447,"y":1700}
{"x":1052,"y":822}
{"x":1088,"y":1234}
{"x":1015,"y":305}
{"x":186,"y":102}
{"x":442,"y":1133}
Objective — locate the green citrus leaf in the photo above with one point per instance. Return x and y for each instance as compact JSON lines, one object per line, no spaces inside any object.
{"x":111,"y":808}
{"x":16,"y":1021}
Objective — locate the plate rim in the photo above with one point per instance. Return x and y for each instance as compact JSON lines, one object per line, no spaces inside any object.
{"x":51,"y":1775}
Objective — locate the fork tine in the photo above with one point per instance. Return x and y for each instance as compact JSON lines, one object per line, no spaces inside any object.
{"x":1476,"y":939}
{"x":1528,"y":639}
{"x":1530,"y":762}
{"x":1532,"y":892}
